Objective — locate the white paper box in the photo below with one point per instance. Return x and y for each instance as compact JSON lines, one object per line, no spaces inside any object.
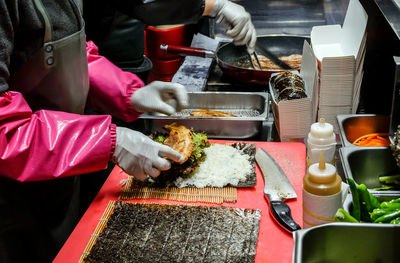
{"x":293,"y":118}
{"x":340,"y":53}
{"x":337,"y":41}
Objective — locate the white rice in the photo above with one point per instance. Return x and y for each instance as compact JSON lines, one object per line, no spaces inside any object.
{"x":223,"y":165}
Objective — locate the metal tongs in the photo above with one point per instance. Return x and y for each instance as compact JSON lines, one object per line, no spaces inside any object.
{"x":251,"y":59}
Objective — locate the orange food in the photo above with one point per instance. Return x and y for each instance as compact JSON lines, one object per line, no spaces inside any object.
{"x":180,"y":139}
{"x":210,"y":113}
{"x":373,"y":139}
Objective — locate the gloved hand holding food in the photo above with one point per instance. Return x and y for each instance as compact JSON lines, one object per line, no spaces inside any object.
{"x":140,"y":156}
{"x":158,"y":96}
{"x":237,"y":21}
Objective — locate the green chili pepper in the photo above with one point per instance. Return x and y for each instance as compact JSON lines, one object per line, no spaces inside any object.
{"x":390,"y":205}
{"x":395,"y":201}
{"x":388,"y":217}
{"x":395,"y":221}
{"x":376,"y":213}
{"x":390,"y":179}
{"x":342,"y":216}
{"x":364,"y":196}
{"x":374,"y":201}
{"x":356,"y":212}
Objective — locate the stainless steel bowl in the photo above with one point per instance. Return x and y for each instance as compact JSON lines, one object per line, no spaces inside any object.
{"x":251,"y":109}
{"x":347,"y":242}
{"x":353,"y":126}
{"x":365,"y":164}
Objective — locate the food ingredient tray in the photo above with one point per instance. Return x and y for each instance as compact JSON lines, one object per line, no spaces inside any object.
{"x":382,"y":197}
{"x":250,"y":108}
{"x":365,"y":164}
{"x":353,"y":126}
{"x":347,"y":242}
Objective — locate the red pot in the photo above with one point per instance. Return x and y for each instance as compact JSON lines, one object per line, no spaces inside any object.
{"x":166,"y":66}
{"x":177,"y":35}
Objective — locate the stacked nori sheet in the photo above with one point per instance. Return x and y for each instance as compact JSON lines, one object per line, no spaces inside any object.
{"x":177,"y":233}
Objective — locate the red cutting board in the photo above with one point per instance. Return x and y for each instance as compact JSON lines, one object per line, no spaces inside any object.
{"x":274,"y":244}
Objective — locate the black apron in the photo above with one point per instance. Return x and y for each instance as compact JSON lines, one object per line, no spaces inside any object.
{"x":37,"y":217}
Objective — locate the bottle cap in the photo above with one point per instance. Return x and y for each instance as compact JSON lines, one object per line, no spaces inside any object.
{"x":322,"y":179}
{"x":321,"y":133}
{"x":321,"y":129}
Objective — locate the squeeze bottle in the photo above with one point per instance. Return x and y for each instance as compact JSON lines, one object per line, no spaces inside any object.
{"x":322,"y":195}
{"x":321,"y":138}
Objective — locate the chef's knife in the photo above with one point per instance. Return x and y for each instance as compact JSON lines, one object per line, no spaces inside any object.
{"x":277,"y":188}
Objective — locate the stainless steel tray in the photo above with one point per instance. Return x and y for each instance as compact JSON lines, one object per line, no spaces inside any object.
{"x":347,"y":242}
{"x":251,"y":109}
{"x":353,"y":126}
{"x":365,"y":164}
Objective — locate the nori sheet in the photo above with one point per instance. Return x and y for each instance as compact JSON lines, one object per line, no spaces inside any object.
{"x":177,"y":233}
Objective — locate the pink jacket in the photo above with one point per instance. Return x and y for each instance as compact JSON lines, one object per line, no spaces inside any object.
{"x":48,"y":144}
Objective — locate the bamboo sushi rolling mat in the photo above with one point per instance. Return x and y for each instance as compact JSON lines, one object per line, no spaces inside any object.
{"x":217,"y":195}
{"x":100,"y":227}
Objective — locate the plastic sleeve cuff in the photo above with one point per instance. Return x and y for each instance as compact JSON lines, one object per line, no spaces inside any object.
{"x":113,"y":135}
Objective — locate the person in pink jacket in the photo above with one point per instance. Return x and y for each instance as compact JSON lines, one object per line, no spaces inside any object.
{"x":48,"y":75}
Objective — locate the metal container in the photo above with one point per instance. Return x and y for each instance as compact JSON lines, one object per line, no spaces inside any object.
{"x":365,"y":164}
{"x":251,"y":109}
{"x":347,"y":242}
{"x":353,"y":126}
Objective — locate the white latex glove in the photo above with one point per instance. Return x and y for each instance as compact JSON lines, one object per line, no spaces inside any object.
{"x":237,"y":21}
{"x":140,"y":156}
{"x":158,"y":96}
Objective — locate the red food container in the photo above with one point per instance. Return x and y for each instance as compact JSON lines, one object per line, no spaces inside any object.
{"x":156,"y":36}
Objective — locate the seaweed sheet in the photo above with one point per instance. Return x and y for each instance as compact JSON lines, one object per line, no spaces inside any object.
{"x":177,"y":233}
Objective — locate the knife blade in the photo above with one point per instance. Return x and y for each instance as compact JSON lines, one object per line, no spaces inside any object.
{"x":277,"y":189}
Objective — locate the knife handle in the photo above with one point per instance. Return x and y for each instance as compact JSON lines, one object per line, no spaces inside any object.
{"x":281,"y":213}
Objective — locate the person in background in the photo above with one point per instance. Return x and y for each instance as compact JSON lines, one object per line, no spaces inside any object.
{"x":48,"y":75}
{"x":120,"y":34}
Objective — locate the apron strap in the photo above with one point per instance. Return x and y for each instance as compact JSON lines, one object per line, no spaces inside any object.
{"x":48,"y":33}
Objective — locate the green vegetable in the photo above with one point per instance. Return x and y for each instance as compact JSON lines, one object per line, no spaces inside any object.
{"x":390,"y":205}
{"x":395,"y":221}
{"x":368,"y":202}
{"x":356,"y":212}
{"x":395,"y":201}
{"x":384,"y":187}
{"x":160,"y":138}
{"x":200,"y":142}
{"x":388,"y":217}
{"x":380,"y":212}
{"x":390,"y":180}
{"x":374,"y":201}
{"x":342,"y":216}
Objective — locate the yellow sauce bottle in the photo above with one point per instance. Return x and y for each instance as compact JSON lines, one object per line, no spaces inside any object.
{"x":322,"y":195}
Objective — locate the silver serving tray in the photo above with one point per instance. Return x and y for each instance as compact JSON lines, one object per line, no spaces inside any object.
{"x":347,"y":242}
{"x":353,"y":126}
{"x":365,"y":164}
{"x":251,"y":109}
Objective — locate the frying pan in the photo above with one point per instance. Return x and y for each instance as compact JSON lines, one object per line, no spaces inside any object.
{"x":227,"y":54}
